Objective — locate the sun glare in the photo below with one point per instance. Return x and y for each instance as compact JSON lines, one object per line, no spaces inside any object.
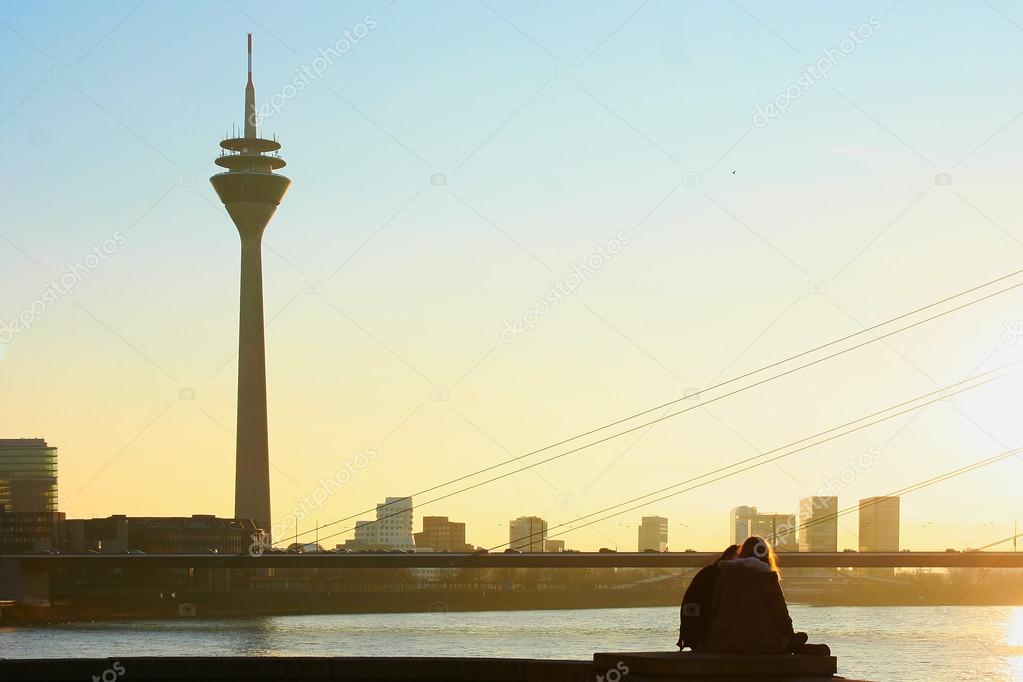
{"x":1014,"y":630}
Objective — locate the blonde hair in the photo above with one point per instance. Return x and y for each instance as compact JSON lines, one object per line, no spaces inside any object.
{"x":757,"y":547}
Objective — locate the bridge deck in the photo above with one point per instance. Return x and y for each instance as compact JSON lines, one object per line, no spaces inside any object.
{"x":527,"y":560}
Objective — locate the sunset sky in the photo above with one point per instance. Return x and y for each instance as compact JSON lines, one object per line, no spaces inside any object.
{"x":452,"y":163}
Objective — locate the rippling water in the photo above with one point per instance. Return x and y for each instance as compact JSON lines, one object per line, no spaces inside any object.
{"x":875,"y":643}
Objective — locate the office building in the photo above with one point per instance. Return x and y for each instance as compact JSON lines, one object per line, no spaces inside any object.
{"x":527,"y":534}
{"x":653,"y":534}
{"x":196,"y":534}
{"x":392,"y":528}
{"x":879,"y":524}
{"x":442,"y":535}
{"x":818,"y":524}
{"x":28,"y":476}
{"x":777,"y":529}
{"x":31,"y":532}
{"x":740,"y":524}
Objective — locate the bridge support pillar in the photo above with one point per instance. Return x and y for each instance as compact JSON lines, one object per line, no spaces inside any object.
{"x":25,"y":584}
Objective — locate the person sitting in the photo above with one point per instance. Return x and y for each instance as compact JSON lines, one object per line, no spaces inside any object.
{"x":696,"y":613}
{"x":750,"y":614}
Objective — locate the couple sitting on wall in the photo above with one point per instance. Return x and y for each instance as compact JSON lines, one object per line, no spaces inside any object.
{"x":736,"y":606}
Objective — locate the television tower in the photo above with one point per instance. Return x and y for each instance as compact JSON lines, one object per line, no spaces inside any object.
{"x":251,"y":193}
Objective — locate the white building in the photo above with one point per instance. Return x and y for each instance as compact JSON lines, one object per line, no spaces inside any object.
{"x":392,"y":528}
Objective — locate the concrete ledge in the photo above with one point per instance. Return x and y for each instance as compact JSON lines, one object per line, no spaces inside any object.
{"x":642,"y":667}
{"x":286,"y":669}
{"x":674,"y":665}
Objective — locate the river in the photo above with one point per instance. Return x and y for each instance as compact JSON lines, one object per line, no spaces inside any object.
{"x":873,"y":643}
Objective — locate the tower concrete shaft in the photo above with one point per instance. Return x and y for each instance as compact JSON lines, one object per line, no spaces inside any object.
{"x":251,"y":192}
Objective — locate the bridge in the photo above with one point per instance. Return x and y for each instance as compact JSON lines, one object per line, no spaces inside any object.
{"x":25,"y":578}
{"x":48,"y":562}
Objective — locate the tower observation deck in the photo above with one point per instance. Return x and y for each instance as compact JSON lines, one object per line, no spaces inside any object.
{"x":251,"y":192}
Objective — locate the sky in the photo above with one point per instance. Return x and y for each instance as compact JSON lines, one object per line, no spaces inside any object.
{"x":716,"y":185}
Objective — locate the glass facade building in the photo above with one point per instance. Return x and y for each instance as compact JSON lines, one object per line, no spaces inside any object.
{"x":196,"y":534}
{"x":31,"y":532}
{"x":28,"y":476}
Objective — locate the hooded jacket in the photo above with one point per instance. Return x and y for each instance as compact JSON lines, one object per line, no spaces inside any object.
{"x":750,"y":615}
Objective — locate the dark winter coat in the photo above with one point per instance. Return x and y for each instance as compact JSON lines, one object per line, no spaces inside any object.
{"x":750,"y":615}
{"x":696,"y":614}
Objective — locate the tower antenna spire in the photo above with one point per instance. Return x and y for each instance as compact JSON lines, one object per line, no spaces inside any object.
{"x":250,"y":100}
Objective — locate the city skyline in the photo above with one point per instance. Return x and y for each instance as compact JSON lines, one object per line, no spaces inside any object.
{"x":28,"y":485}
{"x":388,"y":303}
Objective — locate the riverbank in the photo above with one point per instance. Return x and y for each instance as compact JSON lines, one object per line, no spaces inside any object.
{"x":246,"y":604}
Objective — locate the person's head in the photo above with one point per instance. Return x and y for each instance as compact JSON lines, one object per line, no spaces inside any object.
{"x":731,"y":551}
{"x":757,"y":547}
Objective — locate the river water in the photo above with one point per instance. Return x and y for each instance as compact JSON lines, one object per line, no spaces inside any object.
{"x":873,"y":643}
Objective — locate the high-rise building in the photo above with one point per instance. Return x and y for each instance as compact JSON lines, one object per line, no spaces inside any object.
{"x":653,"y":534}
{"x":28,"y":476}
{"x":740,"y":524}
{"x":392,"y":528}
{"x":777,"y":529}
{"x":442,"y":535}
{"x":879,"y":524}
{"x":527,"y":534}
{"x":251,"y":193}
{"x":818,"y":524}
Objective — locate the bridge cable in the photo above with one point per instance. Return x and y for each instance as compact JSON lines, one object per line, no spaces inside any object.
{"x":710,"y":388}
{"x":923,"y":484}
{"x":942,"y":393}
{"x":917,"y":486}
